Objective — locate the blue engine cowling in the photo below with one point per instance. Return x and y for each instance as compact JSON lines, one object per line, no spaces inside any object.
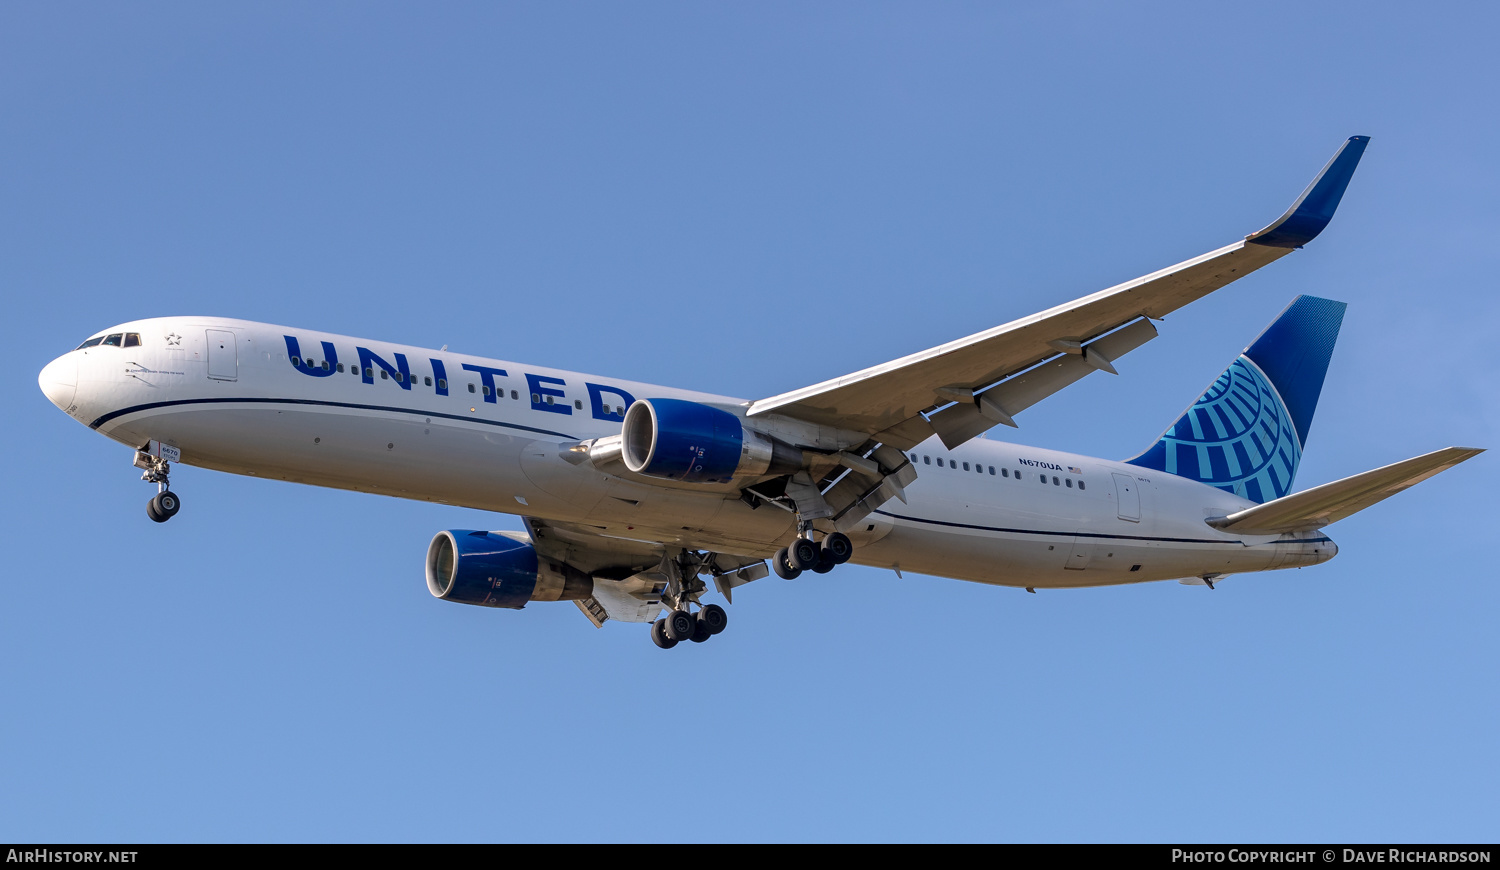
{"x":493,"y":569}
{"x":680,"y":440}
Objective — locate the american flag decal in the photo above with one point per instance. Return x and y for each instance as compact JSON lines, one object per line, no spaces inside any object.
{"x":1075,"y":470}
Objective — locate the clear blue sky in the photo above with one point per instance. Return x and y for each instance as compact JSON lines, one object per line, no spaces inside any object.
{"x":742,"y":199}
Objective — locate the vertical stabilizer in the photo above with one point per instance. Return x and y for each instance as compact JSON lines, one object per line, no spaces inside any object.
{"x":1246,"y":433}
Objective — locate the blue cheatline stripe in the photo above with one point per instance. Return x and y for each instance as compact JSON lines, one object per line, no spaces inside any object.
{"x":255,"y":401}
{"x":1091,"y":534}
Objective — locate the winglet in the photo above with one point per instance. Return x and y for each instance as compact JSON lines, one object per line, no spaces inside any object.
{"x":1314,"y":208}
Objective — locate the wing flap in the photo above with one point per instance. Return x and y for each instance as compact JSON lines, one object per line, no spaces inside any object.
{"x":964,"y":420}
{"x":1331,"y":502}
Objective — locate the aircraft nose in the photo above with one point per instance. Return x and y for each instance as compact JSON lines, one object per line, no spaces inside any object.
{"x":59,"y":381}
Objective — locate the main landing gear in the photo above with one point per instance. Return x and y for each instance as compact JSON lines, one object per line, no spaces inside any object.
{"x":681,"y":625}
{"x":165,"y":504}
{"x":806,"y":555}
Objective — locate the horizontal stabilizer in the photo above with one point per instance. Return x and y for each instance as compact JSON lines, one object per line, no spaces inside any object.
{"x":1331,"y":502}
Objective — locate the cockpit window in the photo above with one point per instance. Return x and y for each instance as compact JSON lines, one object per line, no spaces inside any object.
{"x":90,"y":343}
{"x":132,"y":339}
{"x":112,"y":340}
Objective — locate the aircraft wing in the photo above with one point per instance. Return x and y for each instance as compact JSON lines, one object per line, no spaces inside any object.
{"x":992,"y":375}
{"x":1331,"y":502}
{"x":629,"y":574}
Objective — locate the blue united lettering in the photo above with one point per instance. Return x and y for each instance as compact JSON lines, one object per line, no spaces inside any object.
{"x":369,"y":361}
{"x":294,"y":355}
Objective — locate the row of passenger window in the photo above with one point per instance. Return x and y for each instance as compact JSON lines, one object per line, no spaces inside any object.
{"x":115,"y":339}
{"x":1004,"y":472}
{"x":442,"y":384}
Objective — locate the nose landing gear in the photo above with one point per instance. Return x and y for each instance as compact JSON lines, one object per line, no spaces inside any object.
{"x":163,"y":506}
{"x":153,"y":461}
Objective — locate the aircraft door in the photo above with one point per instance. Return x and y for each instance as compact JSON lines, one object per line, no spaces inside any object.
{"x":223,"y":358}
{"x":1127,"y":498}
{"x":1080,"y":552}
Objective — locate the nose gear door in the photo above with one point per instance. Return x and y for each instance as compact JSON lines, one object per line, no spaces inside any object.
{"x":223,"y":359}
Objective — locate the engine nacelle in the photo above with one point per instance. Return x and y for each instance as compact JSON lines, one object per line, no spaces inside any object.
{"x":493,"y":569}
{"x":680,"y":440}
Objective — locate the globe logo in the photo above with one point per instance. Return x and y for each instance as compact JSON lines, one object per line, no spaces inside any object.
{"x":1238,"y":437}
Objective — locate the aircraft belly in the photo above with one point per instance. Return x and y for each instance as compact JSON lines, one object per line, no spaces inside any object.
{"x":1047,"y":537}
{"x":697,"y":520}
{"x":366,"y":452}
{"x":570,"y":490}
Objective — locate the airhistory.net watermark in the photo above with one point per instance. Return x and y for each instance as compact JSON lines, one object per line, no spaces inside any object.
{"x":67,"y":856}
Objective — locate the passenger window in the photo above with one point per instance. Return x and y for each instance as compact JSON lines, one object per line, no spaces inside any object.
{"x":370,"y":373}
{"x":427,"y":382}
{"x":90,"y":343}
{"x":515,"y":395}
{"x":297,"y":362}
{"x":132,"y":339}
{"x":966,"y":466}
{"x":325,"y":365}
{"x":927,"y":460}
{"x":471,"y":388}
{"x":1042,"y":478}
{"x":992,"y":471}
{"x":1004,"y":472}
{"x":1054,"y":482}
{"x":113,"y":340}
{"x":442,"y":383}
{"x":486,"y":389}
{"x":549,"y":400}
{"x":535,"y":399}
{"x":914,"y":459}
{"x":385,"y":375}
{"x":400,"y":377}
{"x":1070,"y":483}
{"x":341,"y":368}
{"x":578,"y":404}
{"x":940,"y":462}
{"x":1080,"y":484}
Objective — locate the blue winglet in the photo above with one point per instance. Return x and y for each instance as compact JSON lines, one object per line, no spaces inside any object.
{"x":1314,"y":208}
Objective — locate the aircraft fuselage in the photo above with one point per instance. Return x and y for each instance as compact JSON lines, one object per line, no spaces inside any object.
{"x":492,"y":434}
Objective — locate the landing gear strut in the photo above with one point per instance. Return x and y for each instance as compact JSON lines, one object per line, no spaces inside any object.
{"x":165,"y":504}
{"x":682,"y":593}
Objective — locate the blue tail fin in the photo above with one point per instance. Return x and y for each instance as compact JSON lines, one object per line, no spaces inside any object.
{"x":1245,"y":434}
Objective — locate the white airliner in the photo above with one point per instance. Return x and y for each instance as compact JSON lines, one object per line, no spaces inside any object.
{"x":632,"y":493}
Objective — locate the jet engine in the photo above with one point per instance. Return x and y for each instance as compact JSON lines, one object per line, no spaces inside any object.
{"x":494,"y":569}
{"x":695,"y":443}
